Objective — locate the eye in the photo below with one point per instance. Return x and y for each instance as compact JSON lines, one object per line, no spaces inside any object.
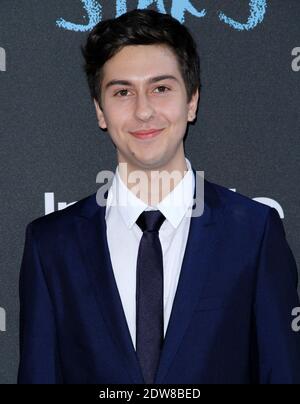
{"x":164,"y":88}
{"x":122,"y":92}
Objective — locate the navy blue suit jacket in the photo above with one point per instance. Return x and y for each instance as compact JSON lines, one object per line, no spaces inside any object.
{"x":231,"y":317}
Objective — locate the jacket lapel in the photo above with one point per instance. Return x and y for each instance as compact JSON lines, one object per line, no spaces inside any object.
{"x":198,"y":259}
{"x":92,"y":232}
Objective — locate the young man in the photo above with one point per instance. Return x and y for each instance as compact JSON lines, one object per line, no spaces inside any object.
{"x":140,"y":290}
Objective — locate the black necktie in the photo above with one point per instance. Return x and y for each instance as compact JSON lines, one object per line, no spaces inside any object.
{"x":149,"y":294}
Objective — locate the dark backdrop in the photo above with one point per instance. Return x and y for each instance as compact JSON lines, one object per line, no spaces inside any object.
{"x":245,"y":137}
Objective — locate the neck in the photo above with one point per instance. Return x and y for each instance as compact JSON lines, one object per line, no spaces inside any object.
{"x":152,"y":185}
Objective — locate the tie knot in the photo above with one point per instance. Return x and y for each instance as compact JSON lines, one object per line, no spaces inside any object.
{"x":150,"y":220}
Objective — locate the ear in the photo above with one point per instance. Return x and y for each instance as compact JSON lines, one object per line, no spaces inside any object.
{"x":100,"y":115}
{"x":192,"y":106}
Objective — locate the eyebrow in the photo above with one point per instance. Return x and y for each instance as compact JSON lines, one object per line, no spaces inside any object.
{"x":149,"y":81}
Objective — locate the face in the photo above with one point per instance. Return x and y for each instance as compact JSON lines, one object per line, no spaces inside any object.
{"x":143,"y":91}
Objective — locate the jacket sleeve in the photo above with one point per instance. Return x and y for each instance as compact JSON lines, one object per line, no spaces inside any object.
{"x":39,"y":357}
{"x":276,"y":296}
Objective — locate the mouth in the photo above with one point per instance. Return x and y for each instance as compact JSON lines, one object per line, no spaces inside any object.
{"x":149,"y":134}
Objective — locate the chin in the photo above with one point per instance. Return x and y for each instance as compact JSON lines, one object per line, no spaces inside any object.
{"x":154,"y":164}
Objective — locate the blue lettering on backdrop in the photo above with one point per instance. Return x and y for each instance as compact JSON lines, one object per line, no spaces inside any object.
{"x":180,"y":6}
{"x":94,"y":13}
{"x":121,"y":7}
{"x":257,"y":14}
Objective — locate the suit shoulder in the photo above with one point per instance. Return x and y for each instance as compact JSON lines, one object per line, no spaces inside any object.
{"x":62,"y":218}
{"x":241,"y":207}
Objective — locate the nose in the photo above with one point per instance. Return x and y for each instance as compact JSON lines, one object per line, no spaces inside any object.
{"x":144,"y":109}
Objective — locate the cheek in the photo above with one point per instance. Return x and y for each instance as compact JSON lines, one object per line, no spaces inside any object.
{"x":176,"y":113}
{"x":116,"y":118}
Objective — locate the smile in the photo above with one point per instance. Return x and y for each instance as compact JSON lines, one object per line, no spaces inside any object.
{"x":147,"y":134}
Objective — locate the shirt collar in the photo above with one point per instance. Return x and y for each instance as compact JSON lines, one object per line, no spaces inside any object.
{"x":174,"y":206}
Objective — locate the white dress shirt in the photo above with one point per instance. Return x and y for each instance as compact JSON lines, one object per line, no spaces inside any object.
{"x":124,"y":235}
